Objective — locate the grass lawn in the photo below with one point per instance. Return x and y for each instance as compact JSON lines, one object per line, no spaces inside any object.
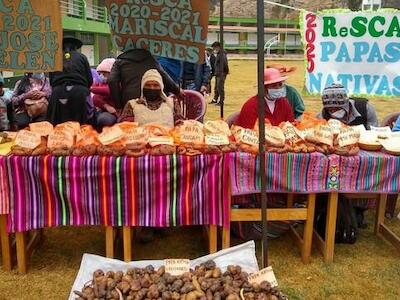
{"x":369,"y":269}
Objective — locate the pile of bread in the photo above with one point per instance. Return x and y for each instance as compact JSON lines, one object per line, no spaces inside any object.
{"x":194,"y":138}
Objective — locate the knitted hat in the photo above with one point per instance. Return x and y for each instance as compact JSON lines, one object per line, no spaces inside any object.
{"x":153,"y":75}
{"x":335,"y":96}
{"x":106,"y":65}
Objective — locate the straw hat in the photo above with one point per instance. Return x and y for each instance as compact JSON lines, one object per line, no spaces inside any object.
{"x":273,"y":76}
{"x":281,"y":68}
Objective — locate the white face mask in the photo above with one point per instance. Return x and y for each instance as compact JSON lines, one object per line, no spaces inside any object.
{"x":339,"y":114}
{"x":274,"y":94}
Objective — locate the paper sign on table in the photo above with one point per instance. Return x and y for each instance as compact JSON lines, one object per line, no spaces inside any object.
{"x":28,"y":139}
{"x":177,"y":267}
{"x":236,"y":132}
{"x":324,"y":134}
{"x":292,"y":135}
{"x":249,"y":137}
{"x":335,"y":125}
{"x":217,"y":127}
{"x":308,"y":132}
{"x":348,"y":136}
{"x":266,"y":274}
{"x":111,"y":135}
{"x":43,"y":128}
{"x":191,"y":133}
{"x":60,"y":139}
{"x":136,"y":135}
{"x":395,"y":134}
{"x":360,"y":128}
{"x":217,"y":139}
{"x":383,"y":132}
{"x":161,"y":140}
{"x":274,"y":135}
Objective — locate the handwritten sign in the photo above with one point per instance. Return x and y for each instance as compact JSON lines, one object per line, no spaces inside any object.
{"x":161,"y":140}
{"x":177,"y":267}
{"x":360,"y":128}
{"x":274,"y":135}
{"x":236,"y":132}
{"x":31,"y":36}
{"x":383,"y":132}
{"x":266,"y":274}
{"x":28,"y":139}
{"x":348,"y":136}
{"x":324,"y":134}
{"x":249,"y":137}
{"x":217,"y":127}
{"x":191,"y":133}
{"x":335,"y":125}
{"x":136,"y":135}
{"x":292,"y":134}
{"x":308,"y":132}
{"x":217,"y":140}
{"x":110,"y":135}
{"x":174,"y":29}
{"x":43,"y":128}
{"x":60,"y":139}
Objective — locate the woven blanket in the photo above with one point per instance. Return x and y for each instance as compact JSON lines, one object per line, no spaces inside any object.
{"x":154,"y":191}
{"x":4,"y":191}
{"x":367,"y":172}
{"x":290,"y":172}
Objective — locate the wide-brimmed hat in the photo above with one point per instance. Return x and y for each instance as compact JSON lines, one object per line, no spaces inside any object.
{"x":272,"y":75}
{"x":71,"y":39}
{"x":283,"y":69}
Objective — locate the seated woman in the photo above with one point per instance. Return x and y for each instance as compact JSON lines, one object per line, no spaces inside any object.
{"x":277,"y":108}
{"x":153,"y":106}
{"x":30,"y":88}
{"x":106,"y":113}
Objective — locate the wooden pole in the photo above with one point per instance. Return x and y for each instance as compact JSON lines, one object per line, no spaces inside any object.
{"x":221,"y":40}
{"x":261,"y":127}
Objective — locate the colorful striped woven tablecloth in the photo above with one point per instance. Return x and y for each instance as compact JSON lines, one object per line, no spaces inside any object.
{"x":4,"y":190}
{"x":289,"y":172}
{"x":154,"y":191}
{"x":368,"y":172}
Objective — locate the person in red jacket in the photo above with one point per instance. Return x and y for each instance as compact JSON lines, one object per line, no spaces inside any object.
{"x":106,"y":112}
{"x":277,"y":108}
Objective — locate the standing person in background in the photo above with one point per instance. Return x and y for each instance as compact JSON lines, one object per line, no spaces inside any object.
{"x":28,"y":90}
{"x":127,"y":73}
{"x":221,"y":71}
{"x":6,"y":109}
{"x":71,"y":86}
{"x":195,"y":77}
{"x":292,"y":95}
{"x":211,"y":59}
{"x":106,"y":114}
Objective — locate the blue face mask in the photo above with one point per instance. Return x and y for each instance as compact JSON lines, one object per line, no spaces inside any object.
{"x":103,"y":78}
{"x":274,"y":94}
{"x":38,"y":76}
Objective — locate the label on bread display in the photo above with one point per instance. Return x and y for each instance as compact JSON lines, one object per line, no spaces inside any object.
{"x":60,"y":139}
{"x":177,"y":267}
{"x":217,"y":140}
{"x":11,"y":134}
{"x":266,"y":274}
{"x":324,"y":134}
{"x":161,"y":140}
{"x":28,"y":139}
{"x":136,"y":135}
{"x":72,"y":127}
{"x":43,"y":128}
{"x":274,"y":136}
{"x":249,"y":137}
{"x":348,"y":136}
{"x":383,"y":132}
{"x":191,"y":133}
{"x":292,"y":134}
{"x":335,"y":125}
{"x":110,"y":135}
{"x":217,"y":127}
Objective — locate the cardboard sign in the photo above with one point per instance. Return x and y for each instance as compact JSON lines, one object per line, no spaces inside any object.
{"x":177,"y":267}
{"x":70,"y":126}
{"x":174,"y":29}
{"x":217,"y":140}
{"x":236,"y":132}
{"x":360,"y":128}
{"x":28,"y":139}
{"x":249,"y":137}
{"x":60,"y":139}
{"x":348,"y":136}
{"x":335,"y":125}
{"x":324,"y":134}
{"x":266,"y":274}
{"x":111,"y":135}
{"x":161,"y":140}
{"x":383,"y":132}
{"x":191,"y":133}
{"x":274,"y":135}
{"x":136,"y":135}
{"x":31,"y":36}
{"x":292,"y":134}
{"x":350,"y":48}
{"x":43,"y":128}
{"x":395,"y":134}
{"x":217,"y":127}
{"x":307,"y":132}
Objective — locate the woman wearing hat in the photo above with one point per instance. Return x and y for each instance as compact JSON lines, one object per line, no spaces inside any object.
{"x":71,"y":86}
{"x":106,"y":112}
{"x":277,"y":108}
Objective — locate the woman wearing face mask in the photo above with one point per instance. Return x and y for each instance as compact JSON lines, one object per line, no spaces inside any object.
{"x":153,"y":106}
{"x":277,"y":108}
{"x":353,"y":111}
{"x":28,"y":90}
{"x":106,"y":114}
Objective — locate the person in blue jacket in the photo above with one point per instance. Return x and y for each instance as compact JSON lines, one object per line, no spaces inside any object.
{"x":195,"y":77}
{"x":396,"y":126}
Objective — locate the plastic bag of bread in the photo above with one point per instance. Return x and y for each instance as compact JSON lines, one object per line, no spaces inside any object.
{"x":61,"y":142}
{"x":87,"y":141}
{"x":136,"y":139}
{"x":43,"y":128}
{"x":29,"y":143}
{"x":189,"y":136}
{"x":112,"y":142}
{"x":70,"y":126}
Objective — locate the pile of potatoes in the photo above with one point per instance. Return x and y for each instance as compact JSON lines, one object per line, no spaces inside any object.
{"x":205,"y":282}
